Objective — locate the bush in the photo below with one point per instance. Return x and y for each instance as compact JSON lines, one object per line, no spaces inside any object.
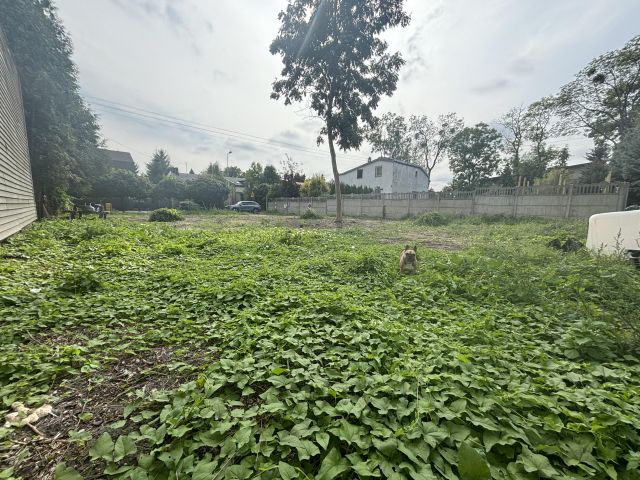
{"x":432,"y":219}
{"x":165,"y":215}
{"x":310,"y":214}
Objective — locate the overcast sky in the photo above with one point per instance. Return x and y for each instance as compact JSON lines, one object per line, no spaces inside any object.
{"x":207,"y":65}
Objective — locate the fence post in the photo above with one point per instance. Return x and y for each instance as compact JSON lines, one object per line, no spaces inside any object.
{"x":515,"y":202}
{"x":438,"y":202}
{"x":473,"y":202}
{"x":569,"y":199}
{"x":623,"y":195}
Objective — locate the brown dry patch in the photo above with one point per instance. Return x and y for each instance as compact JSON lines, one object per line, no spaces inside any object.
{"x":103,"y":394}
{"x":421,"y":239}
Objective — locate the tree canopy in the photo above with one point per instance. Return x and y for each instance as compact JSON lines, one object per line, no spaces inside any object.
{"x":159,"y":166}
{"x":334,"y":56}
{"x":63,"y":133}
{"x":475,"y":156}
{"x":602,"y":97}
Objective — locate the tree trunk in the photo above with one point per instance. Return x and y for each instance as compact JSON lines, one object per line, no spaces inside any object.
{"x":336,"y":177}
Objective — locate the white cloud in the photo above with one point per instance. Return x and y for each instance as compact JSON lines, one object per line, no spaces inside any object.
{"x":209,"y":62}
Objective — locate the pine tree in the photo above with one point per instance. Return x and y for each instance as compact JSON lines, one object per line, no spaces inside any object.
{"x":159,"y":166}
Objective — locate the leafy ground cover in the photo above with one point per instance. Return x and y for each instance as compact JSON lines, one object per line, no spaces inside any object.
{"x":243,"y":346}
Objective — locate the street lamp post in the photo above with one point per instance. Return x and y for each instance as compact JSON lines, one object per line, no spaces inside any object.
{"x":229,"y":152}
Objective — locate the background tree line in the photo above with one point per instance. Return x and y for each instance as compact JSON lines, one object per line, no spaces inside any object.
{"x":602,"y":102}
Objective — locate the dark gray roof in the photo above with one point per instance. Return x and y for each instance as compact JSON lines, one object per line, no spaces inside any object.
{"x":120,"y":160}
{"x":387,"y":159}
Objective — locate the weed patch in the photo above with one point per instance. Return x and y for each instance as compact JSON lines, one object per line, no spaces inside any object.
{"x":237,"y":351}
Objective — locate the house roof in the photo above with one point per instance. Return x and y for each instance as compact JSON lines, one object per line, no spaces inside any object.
{"x":237,"y":181}
{"x":389,"y":160}
{"x":120,"y":160}
{"x":187,"y":176}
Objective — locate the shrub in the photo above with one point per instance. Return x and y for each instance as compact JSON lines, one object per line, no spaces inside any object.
{"x":432,"y":219}
{"x":165,"y":215}
{"x":291,"y":237}
{"x":310,"y":214}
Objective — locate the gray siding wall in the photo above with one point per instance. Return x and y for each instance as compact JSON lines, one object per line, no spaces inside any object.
{"x":17,"y":204}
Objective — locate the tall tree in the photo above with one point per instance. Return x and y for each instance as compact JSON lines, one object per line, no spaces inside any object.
{"x":474,"y":155}
{"x":390,"y":137}
{"x":291,"y":175}
{"x":213,"y":169}
{"x":252,"y":178}
{"x":598,"y":167}
{"x":159,"y":166}
{"x":431,"y":140}
{"x":316,"y":186}
{"x":602,"y":97}
{"x":333,"y":52}
{"x":270,"y":175}
{"x":63,"y":134}
{"x":232,"y":172}
{"x":626,"y":160}
{"x":210,"y":191}
{"x":514,"y":127}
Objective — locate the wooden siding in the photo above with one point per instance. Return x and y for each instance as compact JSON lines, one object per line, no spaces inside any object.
{"x":17,"y":204}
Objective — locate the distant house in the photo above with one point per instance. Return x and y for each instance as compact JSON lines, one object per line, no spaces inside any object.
{"x":386,"y":175}
{"x":121,"y":160}
{"x":185,"y":177}
{"x":236,"y":189}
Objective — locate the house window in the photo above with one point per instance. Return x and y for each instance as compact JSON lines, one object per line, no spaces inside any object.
{"x":379,"y":171}
{"x":359,"y":173}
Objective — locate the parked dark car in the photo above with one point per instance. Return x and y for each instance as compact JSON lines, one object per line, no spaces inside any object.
{"x":245,"y":206}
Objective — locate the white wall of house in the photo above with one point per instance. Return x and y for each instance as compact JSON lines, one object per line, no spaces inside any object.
{"x":407,"y":179}
{"x":388,"y":176}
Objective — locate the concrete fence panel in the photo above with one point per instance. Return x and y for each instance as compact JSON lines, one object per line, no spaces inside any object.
{"x":561,"y":201}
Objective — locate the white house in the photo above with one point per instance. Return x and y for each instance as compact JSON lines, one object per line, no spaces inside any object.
{"x":386,"y":175}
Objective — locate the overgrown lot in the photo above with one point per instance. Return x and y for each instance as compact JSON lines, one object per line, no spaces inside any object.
{"x":236,"y":347}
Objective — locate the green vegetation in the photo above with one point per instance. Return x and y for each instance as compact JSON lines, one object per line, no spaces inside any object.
{"x":256,"y":350}
{"x":433,"y":219}
{"x":165,"y":215}
{"x":310,"y":214}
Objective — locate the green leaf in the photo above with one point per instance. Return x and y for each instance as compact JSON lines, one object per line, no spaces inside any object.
{"x":66,"y":473}
{"x":534,"y":462}
{"x":103,"y":448}
{"x":80,"y":436}
{"x":352,"y":434}
{"x":287,"y":472}
{"x":306,"y":449}
{"x":204,"y":470}
{"x":237,"y":472}
{"x":85,"y":416}
{"x":332,"y":465}
{"x":124,"y":447}
{"x":323,"y":439}
{"x":387,"y":447}
{"x":471,"y":465}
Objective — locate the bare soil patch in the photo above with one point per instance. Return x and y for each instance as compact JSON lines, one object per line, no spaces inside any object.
{"x":426,"y":240}
{"x":104,"y":395}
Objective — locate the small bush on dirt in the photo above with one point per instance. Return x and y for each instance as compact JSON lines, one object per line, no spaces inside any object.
{"x":165,"y":215}
{"x":291,"y":237}
{"x":310,"y":214}
{"x":432,"y":219}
